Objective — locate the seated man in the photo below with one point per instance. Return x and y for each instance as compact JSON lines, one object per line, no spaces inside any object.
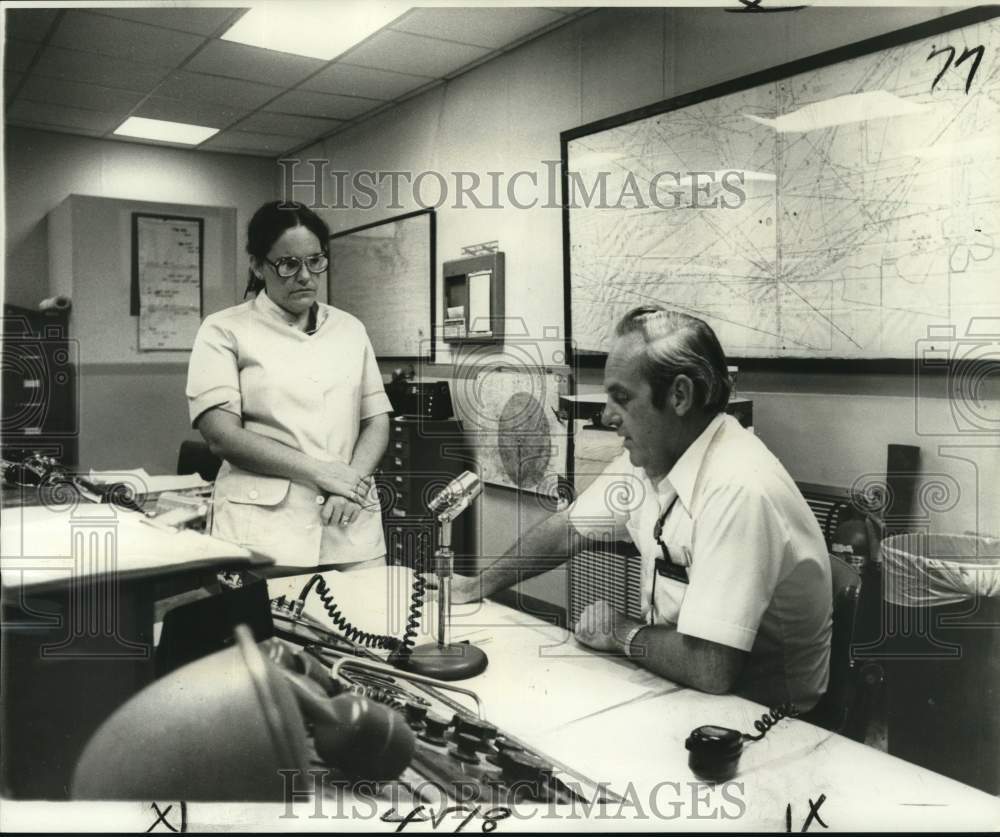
{"x":736,"y":586}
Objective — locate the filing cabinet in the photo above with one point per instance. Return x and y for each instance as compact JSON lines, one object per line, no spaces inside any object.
{"x":40,"y":412}
{"x":422,"y":457}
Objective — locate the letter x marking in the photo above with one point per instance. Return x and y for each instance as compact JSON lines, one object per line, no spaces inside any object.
{"x":161,"y":816}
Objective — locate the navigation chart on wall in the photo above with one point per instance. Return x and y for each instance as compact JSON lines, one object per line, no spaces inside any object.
{"x":383,"y":273}
{"x":870,"y":206}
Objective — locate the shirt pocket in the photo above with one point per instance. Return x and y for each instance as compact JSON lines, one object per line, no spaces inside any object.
{"x":248,"y":502}
{"x":668,"y":596}
{"x":255,"y":489}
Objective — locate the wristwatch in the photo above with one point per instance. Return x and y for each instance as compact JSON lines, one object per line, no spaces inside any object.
{"x":630,"y":636}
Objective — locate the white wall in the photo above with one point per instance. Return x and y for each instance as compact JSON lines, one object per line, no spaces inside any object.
{"x":131,"y":413}
{"x":507,"y":115}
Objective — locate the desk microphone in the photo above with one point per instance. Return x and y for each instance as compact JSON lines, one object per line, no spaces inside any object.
{"x":443,"y":660}
{"x":455,"y":497}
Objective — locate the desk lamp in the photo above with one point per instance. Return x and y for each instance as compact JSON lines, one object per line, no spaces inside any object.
{"x":443,"y":660}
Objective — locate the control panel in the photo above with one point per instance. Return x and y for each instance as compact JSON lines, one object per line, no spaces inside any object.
{"x":458,"y":755}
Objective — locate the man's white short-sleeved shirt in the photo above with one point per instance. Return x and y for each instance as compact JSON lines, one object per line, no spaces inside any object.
{"x":308,"y":391}
{"x":757,"y":565}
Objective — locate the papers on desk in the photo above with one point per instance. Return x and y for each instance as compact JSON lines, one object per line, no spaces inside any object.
{"x":144,"y":483}
{"x":48,"y":546}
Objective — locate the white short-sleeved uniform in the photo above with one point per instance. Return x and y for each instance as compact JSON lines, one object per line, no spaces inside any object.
{"x":757,"y":565}
{"x":309,"y":391}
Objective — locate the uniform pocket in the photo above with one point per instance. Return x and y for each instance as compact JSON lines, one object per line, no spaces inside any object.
{"x":254,"y":489}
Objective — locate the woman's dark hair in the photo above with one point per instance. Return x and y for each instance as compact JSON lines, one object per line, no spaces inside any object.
{"x":270,"y":222}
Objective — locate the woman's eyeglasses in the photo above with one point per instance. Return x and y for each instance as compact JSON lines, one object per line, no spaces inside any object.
{"x":289,"y":266}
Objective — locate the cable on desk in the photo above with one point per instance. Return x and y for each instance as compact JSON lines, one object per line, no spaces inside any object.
{"x":768,"y":720}
{"x":400,"y":648}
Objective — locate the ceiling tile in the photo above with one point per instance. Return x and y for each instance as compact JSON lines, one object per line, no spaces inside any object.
{"x":351,"y":80}
{"x":485,"y":27}
{"x":74,"y":94}
{"x":248,"y":141}
{"x":73,"y":65}
{"x":37,"y":113}
{"x":228,"y":59}
{"x":59,"y":129}
{"x":200,"y":21}
{"x":307,"y":103}
{"x":17,"y":55}
{"x":124,"y":38}
{"x":29,"y":24}
{"x":406,"y":53}
{"x":243,"y":152}
{"x":181,"y":85}
{"x":303,"y":127}
{"x":190,"y":111}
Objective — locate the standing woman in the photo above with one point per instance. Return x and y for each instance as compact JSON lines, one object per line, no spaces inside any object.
{"x":287,"y":392}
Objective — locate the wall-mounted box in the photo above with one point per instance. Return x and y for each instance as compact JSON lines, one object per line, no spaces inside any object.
{"x":473,"y":299}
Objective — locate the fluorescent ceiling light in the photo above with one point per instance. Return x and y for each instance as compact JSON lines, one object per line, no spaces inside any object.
{"x":316,"y":30}
{"x":842,"y":110}
{"x":160,"y":129}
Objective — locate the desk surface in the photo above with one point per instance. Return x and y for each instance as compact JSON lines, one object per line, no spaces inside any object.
{"x":42,"y":548}
{"x":613,"y":722}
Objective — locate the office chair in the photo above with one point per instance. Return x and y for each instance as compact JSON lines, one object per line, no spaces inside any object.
{"x":196,"y":458}
{"x":853,"y":686}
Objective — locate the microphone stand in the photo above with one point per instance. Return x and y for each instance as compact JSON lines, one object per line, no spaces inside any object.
{"x":443,"y":660}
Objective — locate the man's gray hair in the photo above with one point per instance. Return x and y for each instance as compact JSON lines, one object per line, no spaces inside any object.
{"x":679,"y":344}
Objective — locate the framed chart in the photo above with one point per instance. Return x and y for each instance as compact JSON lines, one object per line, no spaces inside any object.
{"x":845,"y":206}
{"x":167,"y":263}
{"x":383,"y":273}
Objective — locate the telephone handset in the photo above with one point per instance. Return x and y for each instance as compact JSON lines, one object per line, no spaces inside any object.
{"x":358,"y":736}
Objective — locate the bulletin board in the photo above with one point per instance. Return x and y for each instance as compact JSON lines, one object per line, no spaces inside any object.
{"x":167,"y":260}
{"x":383,"y":274}
{"x":846,"y":206}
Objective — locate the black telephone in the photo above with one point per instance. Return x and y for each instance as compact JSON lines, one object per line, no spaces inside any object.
{"x":715,"y":751}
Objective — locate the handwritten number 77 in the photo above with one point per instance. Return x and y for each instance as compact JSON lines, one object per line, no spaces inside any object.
{"x":978,"y":52}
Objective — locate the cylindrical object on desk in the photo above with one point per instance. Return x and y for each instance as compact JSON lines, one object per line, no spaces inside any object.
{"x":714,"y":752}
{"x":444,"y":609}
{"x":56,"y":303}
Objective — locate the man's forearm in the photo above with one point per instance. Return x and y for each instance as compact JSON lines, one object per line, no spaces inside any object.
{"x":545,"y":546}
{"x":705,"y":665}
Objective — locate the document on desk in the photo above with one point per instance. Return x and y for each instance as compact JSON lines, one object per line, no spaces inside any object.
{"x":145,"y":483}
{"x":41,"y":546}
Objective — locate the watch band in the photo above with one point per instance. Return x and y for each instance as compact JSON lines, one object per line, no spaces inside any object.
{"x":630,"y":636}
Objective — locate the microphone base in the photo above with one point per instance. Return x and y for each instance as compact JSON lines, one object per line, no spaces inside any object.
{"x":455,"y":661}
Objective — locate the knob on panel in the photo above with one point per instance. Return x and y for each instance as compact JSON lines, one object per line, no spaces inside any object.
{"x":483,"y":731}
{"x":435,"y":727}
{"x":524,"y":767}
{"x":416,"y":715}
{"x":466,"y":747}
